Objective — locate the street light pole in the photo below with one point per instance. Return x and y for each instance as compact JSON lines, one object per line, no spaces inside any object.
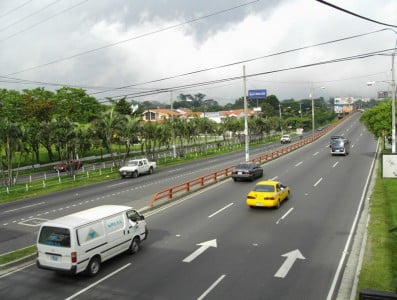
{"x":311,"y":97}
{"x":393,"y":108}
{"x":172,"y":128}
{"x":247,"y":155}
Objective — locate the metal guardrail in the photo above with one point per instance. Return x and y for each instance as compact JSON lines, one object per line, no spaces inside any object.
{"x":186,"y":187}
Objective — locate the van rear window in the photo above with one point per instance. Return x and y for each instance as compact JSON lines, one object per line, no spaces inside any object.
{"x":55,"y":236}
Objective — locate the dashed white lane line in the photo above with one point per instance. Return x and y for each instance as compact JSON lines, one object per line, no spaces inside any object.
{"x":334,"y":165}
{"x":218,"y":211}
{"x":318,"y":181}
{"x":299,"y":163}
{"x":275,"y":177}
{"x":23,"y":207}
{"x":286,"y":214}
{"x":315,"y":153}
{"x":203,"y":295}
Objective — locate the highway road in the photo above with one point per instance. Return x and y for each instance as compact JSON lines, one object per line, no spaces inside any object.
{"x":210,"y":245}
{"x":20,"y":220}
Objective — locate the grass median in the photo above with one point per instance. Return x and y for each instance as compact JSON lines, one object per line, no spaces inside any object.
{"x":12,"y":256}
{"x":379,"y":269}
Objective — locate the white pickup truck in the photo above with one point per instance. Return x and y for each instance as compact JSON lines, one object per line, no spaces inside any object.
{"x":136,"y":167}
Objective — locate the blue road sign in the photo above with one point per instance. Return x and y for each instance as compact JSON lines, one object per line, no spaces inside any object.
{"x":257,"y":94}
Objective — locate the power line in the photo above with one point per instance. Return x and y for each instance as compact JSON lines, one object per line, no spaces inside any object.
{"x":247,"y":60}
{"x":205,"y":83}
{"x":354,"y":14}
{"x":43,"y":21}
{"x":14,"y":9}
{"x":109,"y":89}
{"x":134,"y":38}
{"x":28,"y":16}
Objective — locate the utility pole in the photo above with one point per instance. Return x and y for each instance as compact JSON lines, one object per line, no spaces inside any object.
{"x":311,"y":97}
{"x":393,"y":108}
{"x":172,"y":128}
{"x":247,"y":155}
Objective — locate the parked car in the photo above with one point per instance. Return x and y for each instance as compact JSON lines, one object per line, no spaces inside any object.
{"x":268,"y":193}
{"x":247,"y":170}
{"x":285,"y":139}
{"x":68,"y":166}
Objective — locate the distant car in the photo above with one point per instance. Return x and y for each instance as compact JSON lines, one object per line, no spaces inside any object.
{"x":247,"y":170}
{"x":334,"y":138}
{"x":285,"y":139}
{"x":68,"y":166}
{"x":268,"y":193}
{"x":340,"y":147}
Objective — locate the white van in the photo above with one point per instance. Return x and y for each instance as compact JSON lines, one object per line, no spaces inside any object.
{"x":83,"y":240}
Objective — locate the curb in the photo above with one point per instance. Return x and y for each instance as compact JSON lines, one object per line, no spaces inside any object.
{"x":17,"y":264}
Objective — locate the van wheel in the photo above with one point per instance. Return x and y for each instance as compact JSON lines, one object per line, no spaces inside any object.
{"x":93,"y":266}
{"x":135,"y":174}
{"x":135,"y":246}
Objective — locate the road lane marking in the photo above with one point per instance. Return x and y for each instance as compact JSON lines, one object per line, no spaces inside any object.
{"x":334,"y":165}
{"x":116,"y":184}
{"x":352,"y":229}
{"x":315,"y":153}
{"x":211,"y":287}
{"x":218,"y":211}
{"x":299,"y":163}
{"x":275,"y":177}
{"x":99,"y":281}
{"x":23,"y":207}
{"x":318,"y":181}
{"x":286,"y":214}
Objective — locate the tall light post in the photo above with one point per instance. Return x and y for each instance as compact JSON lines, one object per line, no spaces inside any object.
{"x":172,"y":128}
{"x":247,"y":155}
{"x":312,"y":100}
{"x":393,"y":105}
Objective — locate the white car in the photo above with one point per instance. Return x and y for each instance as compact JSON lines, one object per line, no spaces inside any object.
{"x":285,"y":139}
{"x":136,"y":167}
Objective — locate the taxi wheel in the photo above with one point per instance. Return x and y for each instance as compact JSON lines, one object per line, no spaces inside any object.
{"x":278,"y":203}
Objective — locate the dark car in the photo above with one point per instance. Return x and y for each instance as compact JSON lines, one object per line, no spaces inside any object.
{"x":335,"y":138}
{"x":68,"y":166}
{"x":247,"y":171}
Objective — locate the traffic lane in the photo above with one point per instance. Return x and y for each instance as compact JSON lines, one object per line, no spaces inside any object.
{"x":162,"y":178}
{"x":227,"y":227}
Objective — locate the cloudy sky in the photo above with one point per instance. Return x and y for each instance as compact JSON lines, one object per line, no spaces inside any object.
{"x":143,"y":46}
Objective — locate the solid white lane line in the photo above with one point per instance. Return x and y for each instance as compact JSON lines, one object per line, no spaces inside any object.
{"x":334,"y":165}
{"x":352,"y":229}
{"x":218,"y":211}
{"x":299,"y":163}
{"x":286,"y":214}
{"x":211,"y":287}
{"x":23,"y":207}
{"x":99,"y":281}
{"x":315,"y":153}
{"x":318,"y":181}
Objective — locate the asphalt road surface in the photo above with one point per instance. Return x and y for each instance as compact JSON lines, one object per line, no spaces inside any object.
{"x":210,"y":245}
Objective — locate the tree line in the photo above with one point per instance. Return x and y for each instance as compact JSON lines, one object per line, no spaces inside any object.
{"x":67,"y":123}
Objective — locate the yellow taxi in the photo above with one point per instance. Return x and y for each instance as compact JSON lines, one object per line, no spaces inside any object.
{"x":268,"y":193}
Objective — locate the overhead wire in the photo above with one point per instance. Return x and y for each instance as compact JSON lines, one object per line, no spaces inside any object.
{"x":15,"y":9}
{"x":354,"y":14}
{"x":41,"y":22}
{"x":204,"y":83}
{"x":133,"y":38}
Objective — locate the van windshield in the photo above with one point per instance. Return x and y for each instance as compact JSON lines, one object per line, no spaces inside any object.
{"x":55,"y":236}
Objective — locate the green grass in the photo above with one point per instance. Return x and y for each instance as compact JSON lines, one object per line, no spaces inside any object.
{"x":17,"y":254}
{"x":379,"y":269}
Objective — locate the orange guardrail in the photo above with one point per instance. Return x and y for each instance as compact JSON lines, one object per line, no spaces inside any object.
{"x":186,"y":187}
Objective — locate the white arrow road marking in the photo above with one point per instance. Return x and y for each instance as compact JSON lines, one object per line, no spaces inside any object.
{"x":291,"y":256}
{"x":204,"y":246}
